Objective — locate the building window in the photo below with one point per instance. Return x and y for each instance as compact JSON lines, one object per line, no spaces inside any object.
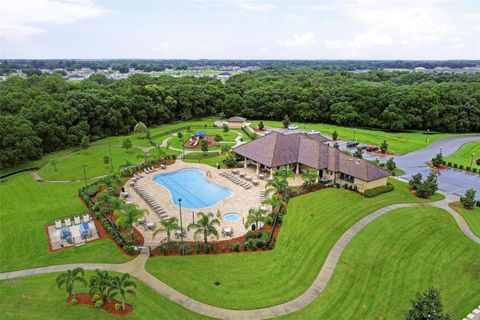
{"x":346,"y":177}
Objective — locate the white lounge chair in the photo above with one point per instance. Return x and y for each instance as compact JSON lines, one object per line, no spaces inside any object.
{"x":86,"y":218}
{"x":68,"y":222}
{"x":58,"y":224}
{"x":76,"y":220}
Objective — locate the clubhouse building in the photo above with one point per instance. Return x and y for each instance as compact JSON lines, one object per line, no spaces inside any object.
{"x":310,"y":151}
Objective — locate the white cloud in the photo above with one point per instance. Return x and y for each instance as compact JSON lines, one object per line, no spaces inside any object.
{"x":295,"y":18}
{"x":248,"y":5}
{"x":22,"y":19}
{"x":400,"y":22}
{"x":299,"y":40}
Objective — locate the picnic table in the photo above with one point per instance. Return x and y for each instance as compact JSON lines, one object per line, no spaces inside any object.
{"x":150,"y":225}
{"x":227,"y":231}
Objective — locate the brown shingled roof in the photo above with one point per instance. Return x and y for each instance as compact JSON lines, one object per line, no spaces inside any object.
{"x":237,"y":119}
{"x":276,"y":149}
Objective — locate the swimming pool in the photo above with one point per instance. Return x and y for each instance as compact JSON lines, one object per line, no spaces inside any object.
{"x":193,"y":188}
{"x":231,"y":217}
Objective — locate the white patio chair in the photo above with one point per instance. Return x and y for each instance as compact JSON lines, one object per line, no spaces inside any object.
{"x":68,"y":222}
{"x":76,"y":220}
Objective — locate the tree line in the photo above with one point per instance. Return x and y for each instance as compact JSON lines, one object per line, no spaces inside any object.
{"x":44,"y":113}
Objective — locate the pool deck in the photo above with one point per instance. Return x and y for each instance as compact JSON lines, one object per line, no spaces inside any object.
{"x":239,"y":202}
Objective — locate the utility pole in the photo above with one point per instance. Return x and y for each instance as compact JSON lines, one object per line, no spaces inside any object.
{"x":111,"y":160}
{"x":181,"y":220}
{"x":85,"y":173}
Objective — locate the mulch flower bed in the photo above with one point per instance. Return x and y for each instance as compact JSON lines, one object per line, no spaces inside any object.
{"x":109,"y":306}
{"x":389,"y":153}
{"x":440,"y":167}
{"x":217,"y":245}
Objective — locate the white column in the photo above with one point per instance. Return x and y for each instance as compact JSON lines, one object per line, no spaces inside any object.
{"x":245,"y":163}
{"x":271,"y":172}
{"x":258,"y":168}
{"x":297,"y":171}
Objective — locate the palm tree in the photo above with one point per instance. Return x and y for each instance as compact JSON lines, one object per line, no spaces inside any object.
{"x":127,"y":215}
{"x":122,"y":286}
{"x":69,"y":278}
{"x":309,"y":177}
{"x":100,"y":283}
{"x":205,"y":225}
{"x":107,"y":203}
{"x":168,"y":225}
{"x":278,"y":204}
{"x":255,"y":216}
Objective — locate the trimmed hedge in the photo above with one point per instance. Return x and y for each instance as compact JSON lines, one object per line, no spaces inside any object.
{"x":370,"y":193}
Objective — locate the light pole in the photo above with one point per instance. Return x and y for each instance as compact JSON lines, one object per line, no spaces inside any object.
{"x":441,"y":148}
{"x":193,"y":216}
{"x":181,"y":221}
{"x":305,"y":121}
{"x":85,"y":173}
{"x":111,"y":160}
{"x":471,"y":162}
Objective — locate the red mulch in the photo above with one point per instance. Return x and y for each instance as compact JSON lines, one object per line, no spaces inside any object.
{"x":218,"y":245}
{"x":440,"y":167}
{"x":384,"y":153}
{"x":210,"y":139}
{"x":109,"y":306}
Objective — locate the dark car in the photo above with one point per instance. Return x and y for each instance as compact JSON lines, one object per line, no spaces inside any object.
{"x":371,"y":148}
{"x":352,"y":144}
{"x":362,"y":146}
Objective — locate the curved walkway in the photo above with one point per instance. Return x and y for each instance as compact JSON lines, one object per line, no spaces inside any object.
{"x":136,"y":268}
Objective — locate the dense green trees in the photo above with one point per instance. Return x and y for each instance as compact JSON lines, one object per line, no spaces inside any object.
{"x":44,"y":113}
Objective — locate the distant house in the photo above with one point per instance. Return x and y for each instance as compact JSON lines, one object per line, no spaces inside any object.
{"x":303,"y":152}
{"x":236,"y":122}
{"x":223,"y":75}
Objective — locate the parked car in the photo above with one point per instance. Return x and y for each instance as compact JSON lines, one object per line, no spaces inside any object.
{"x":313,"y":132}
{"x":362,"y":146}
{"x":371,"y":148}
{"x":352,"y":144}
{"x":292,"y":127}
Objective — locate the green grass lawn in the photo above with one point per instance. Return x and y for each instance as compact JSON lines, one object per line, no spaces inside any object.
{"x":253,"y":280}
{"x":70,"y":167}
{"x":472,"y":216}
{"x":464,"y":155}
{"x":394,"y":257}
{"x":38,"y":297}
{"x":211,"y":158}
{"x":26,"y":207}
{"x":399,"y":142}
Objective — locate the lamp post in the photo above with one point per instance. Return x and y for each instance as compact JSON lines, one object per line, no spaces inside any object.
{"x":183,"y":151}
{"x":181,"y":221}
{"x":85,"y":173}
{"x":471,"y":161}
{"x":111,"y":160}
{"x":305,"y":121}
{"x":441,"y":148}
{"x":193,"y":216}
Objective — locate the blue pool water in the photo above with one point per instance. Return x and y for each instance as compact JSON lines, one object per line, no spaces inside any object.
{"x":232,"y":217}
{"x":193,"y":188}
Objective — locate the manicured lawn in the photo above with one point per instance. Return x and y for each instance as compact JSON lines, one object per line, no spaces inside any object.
{"x":399,"y":142}
{"x":71,"y":166}
{"x":252,"y":280}
{"x":38,"y":297}
{"x":211,"y":158}
{"x":26,"y":207}
{"x":472,"y":216}
{"x":394,"y":257}
{"x":464,"y":155}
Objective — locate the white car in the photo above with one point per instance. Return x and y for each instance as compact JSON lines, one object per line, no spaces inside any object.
{"x":313,"y":132}
{"x":292,"y":127}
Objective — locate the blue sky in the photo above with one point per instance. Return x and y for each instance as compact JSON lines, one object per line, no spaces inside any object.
{"x":240,"y":29}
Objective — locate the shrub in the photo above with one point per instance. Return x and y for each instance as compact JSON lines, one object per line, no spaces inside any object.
{"x":218,"y":138}
{"x":449,"y":164}
{"x":74,"y":301}
{"x":250,"y":244}
{"x":236,"y":247}
{"x":118,"y":306}
{"x":99,"y":303}
{"x":468,"y":168}
{"x":437,"y":160}
{"x":370,"y":193}
{"x":335,"y":135}
{"x":184,"y":248}
{"x":455,"y":165}
{"x":461,"y":166}
{"x":474,"y":170}
{"x":468,"y":201}
{"x":478,"y":203}
{"x":96,"y":297}
{"x":415,"y":181}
